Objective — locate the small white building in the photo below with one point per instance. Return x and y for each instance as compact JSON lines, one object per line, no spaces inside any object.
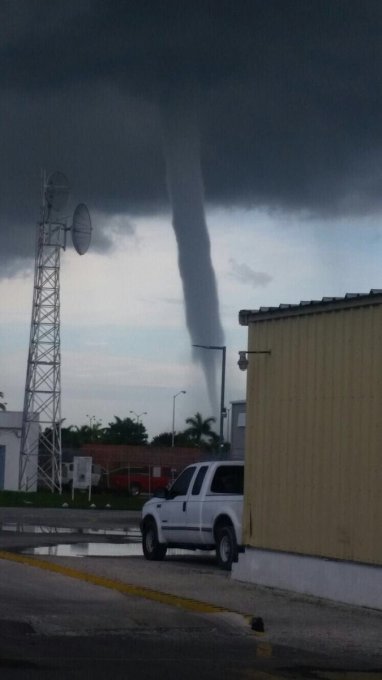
{"x":10,"y":437}
{"x":238,"y":417}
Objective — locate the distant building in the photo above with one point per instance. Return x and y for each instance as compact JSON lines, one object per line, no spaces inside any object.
{"x":312,"y":501}
{"x":10,"y":436}
{"x":238,"y":417}
{"x":114,"y":457}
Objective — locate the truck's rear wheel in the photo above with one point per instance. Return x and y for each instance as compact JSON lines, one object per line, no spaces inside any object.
{"x":152,"y":549}
{"x":135,"y":489}
{"x":226,"y":547}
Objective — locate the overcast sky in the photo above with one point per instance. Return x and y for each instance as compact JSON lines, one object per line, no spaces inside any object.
{"x":287,"y":96}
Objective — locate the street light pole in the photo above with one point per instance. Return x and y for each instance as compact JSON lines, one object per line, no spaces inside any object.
{"x":228,"y":412}
{"x":138,"y":415}
{"x":173,"y":415}
{"x":222,"y":407}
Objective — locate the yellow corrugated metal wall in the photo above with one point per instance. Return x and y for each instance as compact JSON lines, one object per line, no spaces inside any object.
{"x":314,"y":435}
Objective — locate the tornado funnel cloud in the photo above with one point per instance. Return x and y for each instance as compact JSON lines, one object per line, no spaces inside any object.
{"x":185,"y":187}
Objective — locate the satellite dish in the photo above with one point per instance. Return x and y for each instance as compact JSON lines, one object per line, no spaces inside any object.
{"x":81,"y":229}
{"x":57,"y":191}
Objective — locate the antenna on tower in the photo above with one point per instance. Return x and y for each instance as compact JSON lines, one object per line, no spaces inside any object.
{"x":57,"y":192}
{"x":42,"y":398}
{"x":81,"y":229}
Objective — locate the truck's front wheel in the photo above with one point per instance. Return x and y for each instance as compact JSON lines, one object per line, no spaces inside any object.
{"x":226,"y":547}
{"x":152,"y":549}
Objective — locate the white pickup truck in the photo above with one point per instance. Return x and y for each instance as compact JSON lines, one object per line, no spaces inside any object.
{"x":202,"y":510}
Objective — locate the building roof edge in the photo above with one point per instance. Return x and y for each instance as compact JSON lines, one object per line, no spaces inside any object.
{"x":326,"y":304}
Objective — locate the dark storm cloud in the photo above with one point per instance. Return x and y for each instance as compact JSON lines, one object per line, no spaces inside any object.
{"x":289,"y":102}
{"x":98,"y":137}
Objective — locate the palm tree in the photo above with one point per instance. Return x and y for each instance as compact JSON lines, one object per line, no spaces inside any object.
{"x":2,"y":403}
{"x":200,"y":430}
{"x":125,"y":431}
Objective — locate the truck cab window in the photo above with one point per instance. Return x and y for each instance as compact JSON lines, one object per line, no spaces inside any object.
{"x":182,"y":483}
{"x":228,"y":479}
{"x":199,"y":480}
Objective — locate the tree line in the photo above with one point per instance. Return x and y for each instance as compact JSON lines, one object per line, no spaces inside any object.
{"x":198,"y":433}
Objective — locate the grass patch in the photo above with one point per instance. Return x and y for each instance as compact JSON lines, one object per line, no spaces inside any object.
{"x":46,"y":499}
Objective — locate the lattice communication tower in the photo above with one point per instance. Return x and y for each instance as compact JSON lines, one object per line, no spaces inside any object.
{"x":42,"y":399}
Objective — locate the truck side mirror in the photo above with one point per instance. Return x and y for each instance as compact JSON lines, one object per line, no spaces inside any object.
{"x":161,"y":492}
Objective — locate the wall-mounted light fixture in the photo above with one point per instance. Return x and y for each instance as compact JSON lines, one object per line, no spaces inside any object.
{"x":243,"y":361}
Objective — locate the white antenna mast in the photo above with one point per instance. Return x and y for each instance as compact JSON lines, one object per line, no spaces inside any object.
{"x":42,"y":399}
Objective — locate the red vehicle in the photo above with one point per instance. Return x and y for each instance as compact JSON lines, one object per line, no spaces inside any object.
{"x":146,"y":479}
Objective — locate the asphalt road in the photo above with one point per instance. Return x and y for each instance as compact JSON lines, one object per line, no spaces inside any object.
{"x":66,"y":617}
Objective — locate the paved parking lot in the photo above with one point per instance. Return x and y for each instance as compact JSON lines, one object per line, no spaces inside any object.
{"x":305,"y":631}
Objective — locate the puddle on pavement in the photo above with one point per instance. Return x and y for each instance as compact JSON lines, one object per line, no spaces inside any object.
{"x":35,"y":529}
{"x":121,"y":541}
{"x":87,"y":550}
{"x":104,"y":550}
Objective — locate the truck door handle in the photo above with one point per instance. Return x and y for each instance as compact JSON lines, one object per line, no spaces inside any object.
{"x":184,"y":506}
